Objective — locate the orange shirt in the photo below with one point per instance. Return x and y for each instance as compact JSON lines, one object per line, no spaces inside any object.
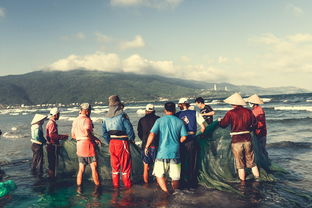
{"x":85,"y":145}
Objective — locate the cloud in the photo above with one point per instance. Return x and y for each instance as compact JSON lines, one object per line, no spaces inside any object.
{"x":138,"y":42}
{"x":137,"y":64}
{"x":185,"y":59}
{"x":157,"y":4}
{"x":77,"y":36}
{"x":2,"y":12}
{"x":102,"y":38}
{"x":98,"y":61}
{"x":286,"y":54}
{"x":295,"y":10}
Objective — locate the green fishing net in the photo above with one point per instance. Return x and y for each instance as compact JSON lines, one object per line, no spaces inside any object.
{"x":6,"y":187}
{"x":215,"y":160}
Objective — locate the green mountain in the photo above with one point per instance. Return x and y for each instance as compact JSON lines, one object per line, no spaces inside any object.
{"x":42,"y":87}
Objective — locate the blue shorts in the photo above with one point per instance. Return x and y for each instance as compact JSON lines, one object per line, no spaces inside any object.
{"x":151,"y":156}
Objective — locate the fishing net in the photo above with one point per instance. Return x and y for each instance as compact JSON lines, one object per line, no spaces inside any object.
{"x":216,"y":162}
{"x":67,"y":161}
{"x":6,"y":187}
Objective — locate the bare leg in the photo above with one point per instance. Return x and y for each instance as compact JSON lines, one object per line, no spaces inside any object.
{"x":255,"y":172}
{"x":80,"y":173}
{"x":162,"y":183}
{"x":145,"y":172}
{"x":175,"y":184}
{"x":95,"y":174}
{"x":241,"y":174}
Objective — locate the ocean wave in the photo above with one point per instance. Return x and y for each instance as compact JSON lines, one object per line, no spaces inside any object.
{"x":294,"y":108}
{"x":286,"y":120}
{"x":289,"y":144}
{"x":12,"y":135}
{"x":309,"y":101}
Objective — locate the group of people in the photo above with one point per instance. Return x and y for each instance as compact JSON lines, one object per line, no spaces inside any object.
{"x":169,"y":142}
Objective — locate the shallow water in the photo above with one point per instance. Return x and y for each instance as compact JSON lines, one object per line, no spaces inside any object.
{"x":290,"y":134}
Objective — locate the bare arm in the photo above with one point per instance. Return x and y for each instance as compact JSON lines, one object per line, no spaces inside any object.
{"x":182,"y":139}
{"x":150,"y":139}
{"x":202,"y":128}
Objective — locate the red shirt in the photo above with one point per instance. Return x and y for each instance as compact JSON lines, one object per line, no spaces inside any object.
{"x":259,"y":113}
{"x":85,"y":145}
{"x":240,"y":119}
{"x":52,"y":132}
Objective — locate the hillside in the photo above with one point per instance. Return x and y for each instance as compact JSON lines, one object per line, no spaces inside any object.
{"x":43,"y":87}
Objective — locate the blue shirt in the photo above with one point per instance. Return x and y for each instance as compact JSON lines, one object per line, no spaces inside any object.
{"x":169,"y":129}
{"x":117,"y":123}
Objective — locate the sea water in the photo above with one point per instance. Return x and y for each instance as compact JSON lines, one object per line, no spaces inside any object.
{"x":289,"y":123}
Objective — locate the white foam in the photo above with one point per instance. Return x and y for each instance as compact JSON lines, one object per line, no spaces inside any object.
{"x":13,"y":128}
{"x":8,"y":135}
{"x":294,"y":108}
{"x":222,"y":109}
{"x":266,"y":100}
{"x":308,"y":101}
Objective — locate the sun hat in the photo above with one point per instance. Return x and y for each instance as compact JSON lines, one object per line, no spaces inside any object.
{"x":150,"y":107}
{"x":85,"y":106}
{"x":255,"y":99}
{"x":54,"y":111}
{"x":183,"y":100}
{"x":37,"y":118}
{"x":235,"y":99}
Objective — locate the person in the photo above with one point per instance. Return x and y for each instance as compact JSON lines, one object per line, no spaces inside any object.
{"x":82,"y":131}
{"x":190,"y":148}
{"x":261,"y":130}
{"x":242,"y":121}
{"x":37,"y":140}
{"x":53,"y":138}
{"x":205,"y":110}
{"x":144,"y":126}
{"x":171,"y":132}
{"x":118,"y":132}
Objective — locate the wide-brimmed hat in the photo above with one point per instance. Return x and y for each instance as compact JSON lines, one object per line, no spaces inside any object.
{"x":53,"y":112}
{"x":235,"y":99}
{"x":85,"y":106}
{"x":183,"y":100}
{"x":37,"y":118}
{"x":255,"y":99}
{"x":114,"y":100}
{"x":150,"y":107}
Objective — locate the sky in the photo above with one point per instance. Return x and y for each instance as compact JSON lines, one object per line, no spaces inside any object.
{"x":266,"y":43}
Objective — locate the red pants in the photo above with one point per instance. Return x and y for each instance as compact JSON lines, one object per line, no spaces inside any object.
{"x":120,"y":161}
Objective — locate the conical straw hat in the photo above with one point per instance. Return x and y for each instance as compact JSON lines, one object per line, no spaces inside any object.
{"x":37,"y":118}
{"x":235,"y":99}
{"x":254,"y":99}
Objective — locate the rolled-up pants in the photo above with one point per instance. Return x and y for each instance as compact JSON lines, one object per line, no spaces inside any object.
{"x":120,"y":161}
{"x":37,"y":160}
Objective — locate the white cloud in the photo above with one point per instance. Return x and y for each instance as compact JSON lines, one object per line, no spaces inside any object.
{"x":98,"y":61}
{"x":299,"y":38}
{"x":157,"y":4}
{"x":185,"y":59}
{"x":222,"y":59}
{"x":102,"y":38}
{"x":77,"y":36}
{"x":138,"y":42}
{"x":286,"y":54}
{"x":295,"y":10}
{"x":2,"y":12}
{"x":139,"y":65}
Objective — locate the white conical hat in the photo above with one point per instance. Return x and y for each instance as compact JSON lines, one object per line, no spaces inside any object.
{"x":254,"y":99}
{"x":37,"y":118}
{"x":235,"y":99}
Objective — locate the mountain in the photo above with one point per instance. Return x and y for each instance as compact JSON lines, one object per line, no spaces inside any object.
{"x":43,"y":87}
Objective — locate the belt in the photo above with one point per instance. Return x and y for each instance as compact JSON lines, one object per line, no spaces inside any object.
{"x":82,"y":138}
{"x":35,"y":141}
{"x":116,"y":137}
{"x":190,"y":132}
{"x":239,"y":133}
